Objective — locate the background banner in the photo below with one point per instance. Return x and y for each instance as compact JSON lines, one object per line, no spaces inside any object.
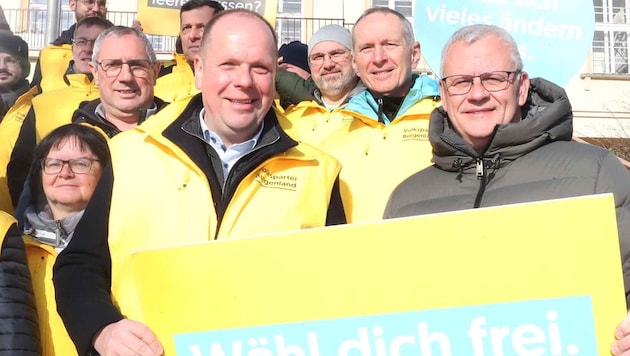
{"x":554,"y":36}
{"x":161,"y":17}
{"x":530,"y":279}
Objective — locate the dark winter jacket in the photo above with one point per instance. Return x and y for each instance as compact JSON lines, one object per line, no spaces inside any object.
{"x":87,"y":114}
{"x":526,"y":161}
{"x":18,"y":316}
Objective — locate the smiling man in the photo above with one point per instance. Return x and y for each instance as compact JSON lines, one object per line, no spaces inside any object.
{"x":502,"y":137}
{"x":14,"y":68}
{"x":218,"y":166}
{"x":386,"y":139}
{"x":125,"y":69}
{"x":330,"y":60}
{"x":53,"y":59}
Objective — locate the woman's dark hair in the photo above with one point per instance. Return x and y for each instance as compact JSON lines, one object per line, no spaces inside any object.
{"x":84,"y":136}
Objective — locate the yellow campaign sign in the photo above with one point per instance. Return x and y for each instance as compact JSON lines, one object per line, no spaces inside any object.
{"x":161,"y":17}
{"x":539,"y":278}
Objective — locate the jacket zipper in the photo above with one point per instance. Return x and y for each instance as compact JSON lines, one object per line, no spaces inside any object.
{"x":481,"y":175}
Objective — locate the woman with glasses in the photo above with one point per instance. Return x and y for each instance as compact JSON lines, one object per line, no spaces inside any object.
{"x":66,"y":167}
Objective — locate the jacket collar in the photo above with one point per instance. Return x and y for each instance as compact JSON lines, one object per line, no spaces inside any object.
{"x":366,"y":104}
{"x":547,"y":117}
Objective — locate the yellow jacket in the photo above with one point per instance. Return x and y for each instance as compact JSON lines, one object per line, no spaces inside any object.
{"x":54,"y":61}
{"x":312,"y":123}
{"x":55,"y":108}
{"x":9,"y":131}
{"x":174,"y":205}
{"x":179,"y":83}
{"x":54,"y":337}
{"x":377,"y":157}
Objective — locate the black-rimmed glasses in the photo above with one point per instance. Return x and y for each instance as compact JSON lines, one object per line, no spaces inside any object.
{"x":77,"y":165}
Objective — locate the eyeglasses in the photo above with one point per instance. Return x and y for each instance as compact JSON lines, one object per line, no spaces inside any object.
{"x":491,"y":81}
{"x":139,"y":68}
{"x":337,"y":56}
{"x":9,"y":61}
{"x":92,"y":3}
{"x":83,"y":42}
{"x":77,"y":165}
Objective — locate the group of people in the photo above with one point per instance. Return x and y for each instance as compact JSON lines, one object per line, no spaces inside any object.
{"x":131,"y":155}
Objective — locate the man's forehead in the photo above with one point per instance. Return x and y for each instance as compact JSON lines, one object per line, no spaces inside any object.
{"x":5,"y":54}
{"x":205,"y":10}
{"x":85,"y":28}
{"x":120,"y":46}
{"x":327,"y":46}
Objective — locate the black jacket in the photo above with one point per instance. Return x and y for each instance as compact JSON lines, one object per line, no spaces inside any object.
{"x":86,"y":113}
{"x":19,"y":334}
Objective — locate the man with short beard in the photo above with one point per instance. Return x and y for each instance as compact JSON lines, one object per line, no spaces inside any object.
{"x":330,"y":59}
{"x":14,"y":68}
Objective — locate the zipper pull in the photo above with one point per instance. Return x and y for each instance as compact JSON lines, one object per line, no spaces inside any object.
{"x":480,"y":168}
{"x":381,"y":116}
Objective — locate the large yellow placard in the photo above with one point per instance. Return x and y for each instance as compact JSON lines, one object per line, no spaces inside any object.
{"x":161,"y":17}
{"x":529,"y":279}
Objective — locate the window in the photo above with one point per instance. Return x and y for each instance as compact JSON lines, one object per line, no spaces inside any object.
{"x":404,"y":7}
{"x":610,"y":41}
{"x":288,"y":21}
{"x":290,"y":6}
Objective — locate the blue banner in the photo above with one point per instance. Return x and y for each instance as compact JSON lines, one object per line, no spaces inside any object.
{"x":554,"y":36}
{"x":562,"y":326}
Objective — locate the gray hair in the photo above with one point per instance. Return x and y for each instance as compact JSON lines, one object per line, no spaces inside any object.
{"x":473,"y":33}
{"x":123,"y":31}
{"x":407,"y":27}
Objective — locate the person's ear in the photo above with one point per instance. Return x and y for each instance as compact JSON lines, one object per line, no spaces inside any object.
{"x":523,"y":89}
{"x":415,"y":54}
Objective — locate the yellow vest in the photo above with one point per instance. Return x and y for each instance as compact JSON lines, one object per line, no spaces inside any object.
{"x":179,"y":84}
{"x":54,"y":61}
{"x":54,"y":337}
{"x":162,"y":198}
{"x":9,"y":131}
{"x":312,"y":123}
{"x":55,"y":108}
{"x":376,"y":158}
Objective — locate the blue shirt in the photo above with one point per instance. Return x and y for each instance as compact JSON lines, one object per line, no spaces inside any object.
{"x":230,"y":155}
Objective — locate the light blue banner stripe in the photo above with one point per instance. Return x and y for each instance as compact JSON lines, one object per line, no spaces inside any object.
{"x":554,"y":327}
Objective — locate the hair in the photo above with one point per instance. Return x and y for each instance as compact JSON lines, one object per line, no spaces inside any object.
{"x":195,"y":4}
{"x":93,"y":21}
{"x":241,"y":12}
{"x":407,"y":27}
{"x":87,"y":139}
{"x":123,"y":31}
{"x":473,"y":33}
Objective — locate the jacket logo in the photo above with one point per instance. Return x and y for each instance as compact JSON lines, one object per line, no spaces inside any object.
{"x":269,"y":180}
{"x":416,"y":134}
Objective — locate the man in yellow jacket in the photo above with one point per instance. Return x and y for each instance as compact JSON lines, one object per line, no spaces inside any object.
{"x":218,"y":166}
{"x":387,"y":139}
{"x":177,"y":81}
{"x":330,"y":60}
{"x":54,"y":59}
